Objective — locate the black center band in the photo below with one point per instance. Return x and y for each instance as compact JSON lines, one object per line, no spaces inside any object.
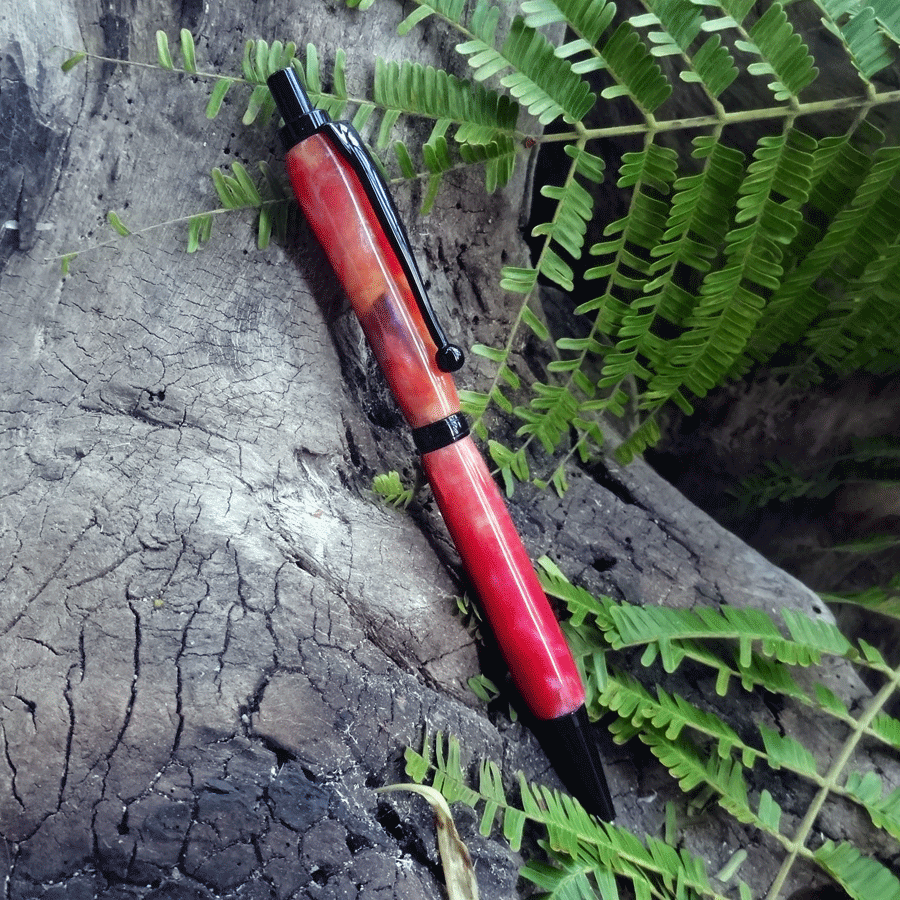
{"x":441,"y":433}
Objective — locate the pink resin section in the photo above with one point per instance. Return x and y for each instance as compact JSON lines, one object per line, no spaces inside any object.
{"x":340,"y":214}
{"x":514,"y":604}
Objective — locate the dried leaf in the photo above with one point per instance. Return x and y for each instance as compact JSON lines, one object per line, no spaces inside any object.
{"x":459,"y":873}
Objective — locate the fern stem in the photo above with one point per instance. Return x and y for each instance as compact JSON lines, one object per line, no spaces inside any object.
{"x":179,"y":220}
{"x":863,"y":103}
{"x":213,"y":76}
{"x":598,"y":323}
{"x":687,"y":641}
{"x":864,"y":108}
{"x":516,"y":322}
{"x":831,"y":778}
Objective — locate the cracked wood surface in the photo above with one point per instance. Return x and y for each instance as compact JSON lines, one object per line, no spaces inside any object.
{"x":213,"y":643}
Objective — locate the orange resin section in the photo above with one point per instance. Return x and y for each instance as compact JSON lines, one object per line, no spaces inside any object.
{"x":340,"y":214}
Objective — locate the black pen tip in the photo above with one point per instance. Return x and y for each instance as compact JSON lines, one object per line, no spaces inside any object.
{"x":289,"y":95}
{"x":571,"y":747}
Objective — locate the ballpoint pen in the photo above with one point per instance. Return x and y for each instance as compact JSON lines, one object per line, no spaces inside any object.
{"x":350,"y":210}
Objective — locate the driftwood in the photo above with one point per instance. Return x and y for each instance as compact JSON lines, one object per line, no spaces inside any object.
{"x":214,"y":643}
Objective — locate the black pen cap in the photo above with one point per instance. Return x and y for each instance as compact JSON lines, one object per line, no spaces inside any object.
{"x":571,"y":746}
{"x":301,"y":118}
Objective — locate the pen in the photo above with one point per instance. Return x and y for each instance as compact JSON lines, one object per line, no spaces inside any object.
{"x":350,"y":210}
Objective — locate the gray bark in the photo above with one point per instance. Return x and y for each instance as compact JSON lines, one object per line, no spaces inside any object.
{"x":214,"y":643}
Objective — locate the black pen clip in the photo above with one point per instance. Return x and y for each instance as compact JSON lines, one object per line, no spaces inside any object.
{"x":301,"y":120}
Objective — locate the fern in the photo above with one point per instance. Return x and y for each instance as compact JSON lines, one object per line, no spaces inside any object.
{"x":481,"y":116}
{"x":701,"y":750}
{"x":391,"y":489}
{"x":872,"y":461}
{"x":484,"y":123}
{"x":710,"y":271}
{"x":884,"y":600}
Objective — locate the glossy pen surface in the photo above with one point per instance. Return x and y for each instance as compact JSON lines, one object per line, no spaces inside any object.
{"x":341,"y":215}
{"x":491,"y":550}
{"x":351,"y":213}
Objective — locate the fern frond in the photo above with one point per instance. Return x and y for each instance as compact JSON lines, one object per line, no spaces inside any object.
{"x":512,"y":465}
{"x":887,"y":729}
{"x":549,"y":414}
{"x":862,"y":877}
{"x":450,"y":10}
{"x":545,"y":84}
{"x":569,"y":224}
{"x":732,"y":297}
{"x":277,"y":209}
{"x":603,"y":846}
{"x":625,"y":625}
{"x":690,"y":767}
{"x":681,"y":20}
{"x":884,"y":600}
{"x":848,"y":183}
{"x":637,"y":74}
{"x":670,"y":714}
{"x":259,"y":62}
{"x":868,"y":29}
{"x":579,"y":602}
{"x":262,"y":59}
{"x":712,"y":65}
{"x":866,"y":322}
{"x":586,"y":18}
{"x":867,"y":43}
{"x":818,"y":634}
{"x":888,"y":15}
{"x":568,"y":880}
{"x":736,"y":12}
{"x":784,"y":751}
{"x":624,"y":56}
{"x":651,"y":174}
{"x":567,"y":227}
{"x":449,"y":778}
{"x":499,"y":158}
{"x":436,"y":155}
{"x":697,"y":221}
{"x":773,"y":39}
{"x":883,"y":810}
{"x":784,"y":54}
{"x":389,"y":487}
{"x":480,"y":115}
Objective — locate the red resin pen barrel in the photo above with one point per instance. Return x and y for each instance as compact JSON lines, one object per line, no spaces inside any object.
{"x":501,"y":572}
{"x":489,"y":545}
{"x":338,"y":206}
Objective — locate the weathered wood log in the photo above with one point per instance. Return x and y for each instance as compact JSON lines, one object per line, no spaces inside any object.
{"x":214,"y":643}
